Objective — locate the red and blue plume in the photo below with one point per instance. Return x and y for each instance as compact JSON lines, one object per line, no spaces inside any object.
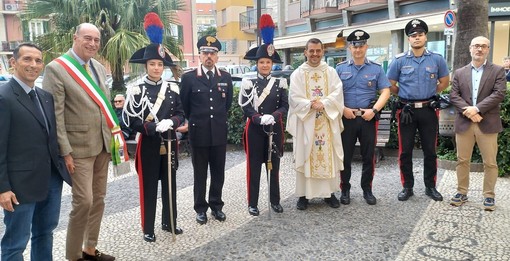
{"x":267,"y":28}
{"x":153,"y":27}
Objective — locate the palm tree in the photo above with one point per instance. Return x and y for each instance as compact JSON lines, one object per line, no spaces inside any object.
{"x":472,"y":21}
{"x":119,"y":21}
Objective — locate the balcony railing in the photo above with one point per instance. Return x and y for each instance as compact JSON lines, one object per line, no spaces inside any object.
{"x":248,"y":19}
{"x":319,"y":8}
{"x":359,"y":5}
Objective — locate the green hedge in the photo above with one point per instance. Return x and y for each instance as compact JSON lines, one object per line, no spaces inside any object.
{"x":235,"y":121}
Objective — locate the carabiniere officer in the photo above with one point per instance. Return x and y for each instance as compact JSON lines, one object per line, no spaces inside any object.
{"x":420,"y":74}
{"x":362,"y":79}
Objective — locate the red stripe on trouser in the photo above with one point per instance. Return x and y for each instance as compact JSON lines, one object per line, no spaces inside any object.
{"x":402,"y":179}
{"x":138,"y":167}
{"x":247,"y":150}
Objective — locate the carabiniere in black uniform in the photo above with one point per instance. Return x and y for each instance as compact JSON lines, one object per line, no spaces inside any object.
{"x":264,"y":101}
{"x":151,"y":159}
{"x":206,"y":103}
{"x":256,"y":138}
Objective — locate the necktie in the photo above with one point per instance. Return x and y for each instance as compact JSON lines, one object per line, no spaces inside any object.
{"x":87,"y":68}
{"x":38,"y":109}
{"x":210,"y":75}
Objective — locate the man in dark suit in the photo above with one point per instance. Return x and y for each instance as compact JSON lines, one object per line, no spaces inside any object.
{"x":30,"y":174}
{"x":477,"y":91}
{"x":206,"y":95}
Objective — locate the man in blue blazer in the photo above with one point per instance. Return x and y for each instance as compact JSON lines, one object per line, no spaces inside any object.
{"x":30,"y":173}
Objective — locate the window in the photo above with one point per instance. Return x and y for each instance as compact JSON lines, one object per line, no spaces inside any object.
{"x":223,"y":17}
{"x":36,"y":28}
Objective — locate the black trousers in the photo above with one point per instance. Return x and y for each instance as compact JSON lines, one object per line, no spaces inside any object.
{"x":202,"y":158}
{"x":153,"y":167}
{"x":366,"y":132}
{"x":425,"y":121}
{"x":256,"y":143}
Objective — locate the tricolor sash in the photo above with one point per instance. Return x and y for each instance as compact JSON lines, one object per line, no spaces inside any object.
{"x":120,"y":157}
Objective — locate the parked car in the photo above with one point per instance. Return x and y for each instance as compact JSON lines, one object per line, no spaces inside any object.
{"x":235,"y":69}
{"x":4,"y":78}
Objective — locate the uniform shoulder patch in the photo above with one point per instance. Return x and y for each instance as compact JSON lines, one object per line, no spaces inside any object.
{"x":174,"y":87}
{"x":246,"y":84}
{"x":282,"y":83}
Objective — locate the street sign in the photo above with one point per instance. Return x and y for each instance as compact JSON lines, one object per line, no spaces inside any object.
{"x":448,"y":31}
{"x":449,"y":19}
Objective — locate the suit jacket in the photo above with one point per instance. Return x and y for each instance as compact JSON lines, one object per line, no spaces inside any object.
{"x":206,"y":106}
{"x":490,"y":94}
{"x":81,"y":127}
{"x":28,"y":152}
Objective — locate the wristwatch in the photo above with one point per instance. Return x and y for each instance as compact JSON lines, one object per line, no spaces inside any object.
{"x":375,"y":110}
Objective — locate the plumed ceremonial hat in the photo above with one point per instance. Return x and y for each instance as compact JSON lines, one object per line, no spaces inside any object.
{"x":209,"y":44}
{"x":416,"y":26}
{"x":266,"y":50}
{"x":155,"y":50}
{"x":358,"y":38}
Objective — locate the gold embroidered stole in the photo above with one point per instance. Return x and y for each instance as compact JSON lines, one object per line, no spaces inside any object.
{"x":321,"y":158}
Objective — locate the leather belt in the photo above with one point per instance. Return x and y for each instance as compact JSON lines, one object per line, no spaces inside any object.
{"x":417,"y":105}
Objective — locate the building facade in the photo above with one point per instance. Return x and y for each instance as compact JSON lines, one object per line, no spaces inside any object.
{"x":384,"y":20}
{"x":235,"y":41}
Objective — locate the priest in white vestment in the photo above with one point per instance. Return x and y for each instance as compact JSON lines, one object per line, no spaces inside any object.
{"x":315,"y":122}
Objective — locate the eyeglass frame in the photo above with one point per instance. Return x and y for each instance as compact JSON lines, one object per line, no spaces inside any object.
{"x":479,"y":46}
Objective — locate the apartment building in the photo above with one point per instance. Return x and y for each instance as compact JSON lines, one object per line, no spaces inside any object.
{"x":384,"y":20}
{"x":235,"y":42}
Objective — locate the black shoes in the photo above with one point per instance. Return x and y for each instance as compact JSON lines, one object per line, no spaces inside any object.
{"x":302,"y":203}
{"x":369,"y":197}
{"x":254,"y":211}
{"x":99,"y":256}
{"x":219,"y":215}
{"x":201,"y":218}
{"x":332,"y":201}
{"x":149,"y":238}
{"x":433,"y":194}
{"x":166,"y":227}
{"x":345,"y":198}
{"x":277,"y":208}
{"x":405,"y":194}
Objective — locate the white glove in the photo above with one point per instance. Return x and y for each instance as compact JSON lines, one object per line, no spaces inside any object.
{"x":267,"y":119}
{"x":164,"y":125}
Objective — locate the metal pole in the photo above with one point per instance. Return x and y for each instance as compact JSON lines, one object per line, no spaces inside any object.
{"x":170,"y":191}
{"x":259,"y":14}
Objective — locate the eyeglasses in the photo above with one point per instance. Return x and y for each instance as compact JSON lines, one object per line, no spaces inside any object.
{"x":479,"y":46}
{"x":117,"y":101}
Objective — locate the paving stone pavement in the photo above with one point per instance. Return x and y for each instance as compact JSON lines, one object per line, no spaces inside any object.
{"x":418,"y":229}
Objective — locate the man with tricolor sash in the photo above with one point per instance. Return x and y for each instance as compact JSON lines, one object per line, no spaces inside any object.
{"x":88,"y":135}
